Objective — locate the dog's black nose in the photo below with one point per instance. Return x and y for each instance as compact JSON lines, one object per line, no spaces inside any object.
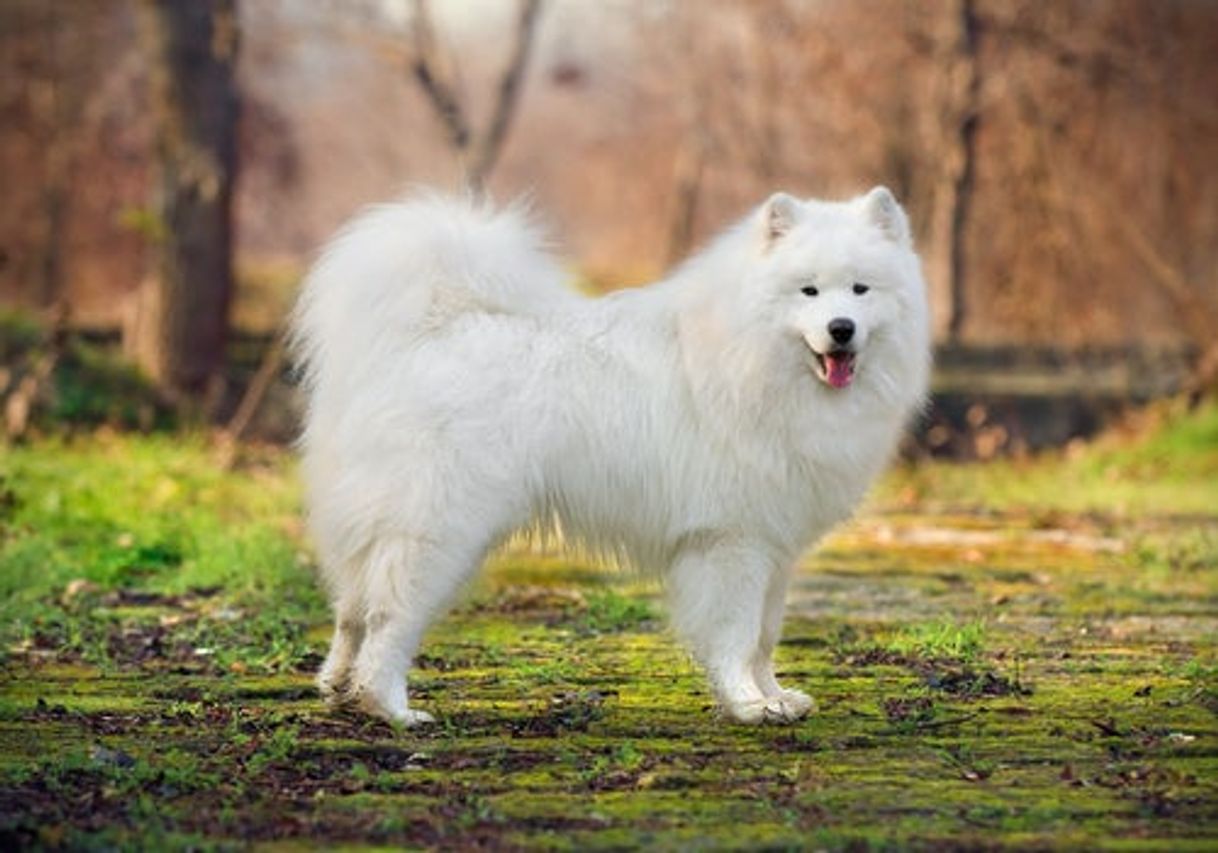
{"x":841,"y":330}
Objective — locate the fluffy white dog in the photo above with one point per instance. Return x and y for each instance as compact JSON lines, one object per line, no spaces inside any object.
{"x":708,"y":428}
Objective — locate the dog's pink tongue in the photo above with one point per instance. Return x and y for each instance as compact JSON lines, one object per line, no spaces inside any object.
{"x":839,"y":370}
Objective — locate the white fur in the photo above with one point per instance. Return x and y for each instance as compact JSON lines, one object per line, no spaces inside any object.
{"x":458,"y":393}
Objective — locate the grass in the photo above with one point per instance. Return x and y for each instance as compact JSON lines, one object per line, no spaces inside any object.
{"x":1171,"y":466}
{"x":98,"y":534}
{"x":943,"y":639}
{"x":1012,"y":655}
{"x":88,"y":386}
{"x":151,"y":512}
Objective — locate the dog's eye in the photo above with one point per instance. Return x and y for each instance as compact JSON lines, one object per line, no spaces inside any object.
{"x":809,"y":291}
{"x":860,"y":289}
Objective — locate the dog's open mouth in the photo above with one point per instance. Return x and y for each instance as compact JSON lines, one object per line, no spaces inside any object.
{"x":835,"y":368}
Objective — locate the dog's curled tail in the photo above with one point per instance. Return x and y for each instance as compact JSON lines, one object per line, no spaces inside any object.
{"x":399,"y":270}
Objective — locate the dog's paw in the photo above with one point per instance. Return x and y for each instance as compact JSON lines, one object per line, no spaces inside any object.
{"x":412,"y":718}
{"x":334,"y":692}
{"x":340,"y":701}
{"x":785,"y":707}
{"x":396,"y":713}
{"x":799,"y":702}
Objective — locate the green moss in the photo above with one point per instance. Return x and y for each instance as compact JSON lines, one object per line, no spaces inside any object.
{"x":982,"y":679}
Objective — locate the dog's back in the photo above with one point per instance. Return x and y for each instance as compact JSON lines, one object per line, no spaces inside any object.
{"x":400,"y":269}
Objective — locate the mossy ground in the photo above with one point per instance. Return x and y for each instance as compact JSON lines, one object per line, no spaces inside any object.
{"x":1004,"y":656}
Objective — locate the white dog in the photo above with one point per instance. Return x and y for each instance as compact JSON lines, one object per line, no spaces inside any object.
{"x":709,"y":427}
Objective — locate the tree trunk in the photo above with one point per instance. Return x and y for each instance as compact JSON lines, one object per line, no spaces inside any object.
{"x":687,"y":192}
{"x":955,"y":192}
{"x":182,"y":313}
{"x":63,"y":107}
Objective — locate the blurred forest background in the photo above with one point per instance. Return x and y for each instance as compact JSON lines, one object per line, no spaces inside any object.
{"x":171,"y":168}
{"x":1016,"y":653}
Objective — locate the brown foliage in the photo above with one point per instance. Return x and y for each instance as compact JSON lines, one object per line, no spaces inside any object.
{"x":1092,"y":201}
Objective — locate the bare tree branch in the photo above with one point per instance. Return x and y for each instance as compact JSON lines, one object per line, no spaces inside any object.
{"x":436,"y":86}
{"x":491,"y":141}
{"x":268,"y":370}
{"x":440,"y":90}
{"x":1197,"y":313}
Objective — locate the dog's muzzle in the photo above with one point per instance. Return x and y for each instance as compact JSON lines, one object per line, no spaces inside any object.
{"x":835,"y":367}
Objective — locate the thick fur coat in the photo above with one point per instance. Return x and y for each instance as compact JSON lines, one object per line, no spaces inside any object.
{"x":708,"y":428}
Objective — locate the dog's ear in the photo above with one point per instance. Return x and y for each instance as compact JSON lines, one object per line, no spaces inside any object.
{"x":880,"y":208}
{"x":778,"y":216}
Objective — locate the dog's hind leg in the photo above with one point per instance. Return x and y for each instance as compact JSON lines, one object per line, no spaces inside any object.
{"x":793,"y":703}
{"x":334,"y":677}
{"x":409,"y":582}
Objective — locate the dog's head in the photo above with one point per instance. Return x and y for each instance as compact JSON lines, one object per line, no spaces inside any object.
{"x":843,"y":279}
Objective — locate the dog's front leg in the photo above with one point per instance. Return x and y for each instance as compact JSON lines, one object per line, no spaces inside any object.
{"x":780,"y":702}
{"x":718,"y":595}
